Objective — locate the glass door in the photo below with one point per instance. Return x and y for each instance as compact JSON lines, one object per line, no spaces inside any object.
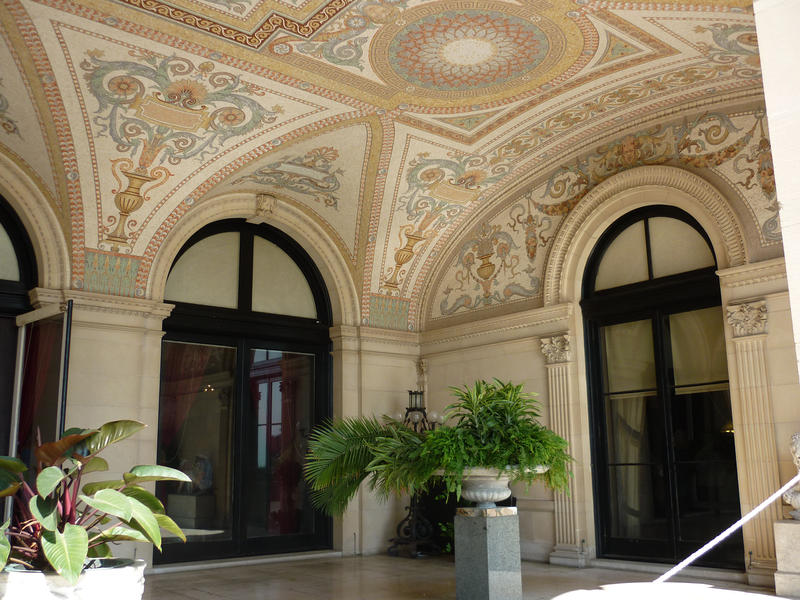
{"x":243,"y":447}
{"x":666,"y":472}
{"x":281,"y":393}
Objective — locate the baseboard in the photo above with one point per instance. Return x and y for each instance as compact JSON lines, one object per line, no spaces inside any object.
{"x":242,"y":562}
{"x":658,"y":569}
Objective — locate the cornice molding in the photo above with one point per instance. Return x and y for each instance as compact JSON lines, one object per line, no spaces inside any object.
{"x":377,"y":340}
{"x":753,"y":273}
{"x":102,"y":303}
{"x":526,"y":324}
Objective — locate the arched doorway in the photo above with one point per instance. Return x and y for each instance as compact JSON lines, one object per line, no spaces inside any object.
{"x":17,"y":277}
{"x":244,"y":378}
{"x":664,"y":468}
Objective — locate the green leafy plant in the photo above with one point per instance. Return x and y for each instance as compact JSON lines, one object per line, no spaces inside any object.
{"x":58,"y":524}
{"x":491,"y":424}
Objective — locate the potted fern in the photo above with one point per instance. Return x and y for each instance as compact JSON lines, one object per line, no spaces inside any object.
{"x":57,"y":545}
{"x":491,"y":426}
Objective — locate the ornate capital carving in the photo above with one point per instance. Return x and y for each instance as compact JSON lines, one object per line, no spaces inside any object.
{"x":266,"y":204}
{"x":748,"y":318}
{"x":556,"y":349}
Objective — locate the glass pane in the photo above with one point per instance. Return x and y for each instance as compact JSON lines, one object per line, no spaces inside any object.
{"x":628,"y":435}
{"x":279,"y":286}
{"x":195,"y":428}
{"x":207,"y":273}
{"x":638,"y":502}
{"x":698,"y":346}
{"x":628,"y":356}
{"x":702,"y":426}
{"x":708,"y":499}
{"x":282,"y":397}
{"x":9,"y":267}
{"x":8,"y":353}
{"x":677,"y":247}
{"x":625,"y":259}
{"x":40,"y":402}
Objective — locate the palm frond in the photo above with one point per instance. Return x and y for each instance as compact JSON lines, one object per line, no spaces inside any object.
{"x":338,"y":456}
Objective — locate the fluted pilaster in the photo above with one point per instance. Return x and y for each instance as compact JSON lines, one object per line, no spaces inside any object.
{"x":558,"y":360}
{"x":751,"y":405}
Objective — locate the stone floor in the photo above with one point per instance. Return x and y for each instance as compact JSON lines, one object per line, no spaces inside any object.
{"x":386,"y":578}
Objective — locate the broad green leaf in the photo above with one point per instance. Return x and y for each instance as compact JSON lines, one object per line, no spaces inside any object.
{"x":94,"y":465}
{"x":144,"y":520}
{"x":145,"y":497}
{"x":110,"y":502}
{"x":9,"y":490}
{"x":66,"y":551}
{"x":99,"y":551}
{"x":48,"y":480}
{"x":5,"y":545}
{"x":91,"y":488}
{"x":123,"y":534}
{"x":169,"y":525}
{"x":45,"y":510}
{"x":74,"y":430}
{"x":143,"y":473}
{"x":15,"y":465}
{"x":54,"y":453}
{"x":111,"y":433}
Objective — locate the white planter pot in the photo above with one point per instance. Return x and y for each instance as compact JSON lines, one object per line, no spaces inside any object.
{"x":117,"y":579}
{"x":487,"y":486}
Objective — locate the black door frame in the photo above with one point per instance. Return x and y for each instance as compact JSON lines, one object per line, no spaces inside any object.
{"x":243,"y":329}
{"x":654,"y":300}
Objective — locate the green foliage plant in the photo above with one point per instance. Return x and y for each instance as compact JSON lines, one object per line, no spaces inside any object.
{"x":490,"y":424}
{"x":58,"y":524}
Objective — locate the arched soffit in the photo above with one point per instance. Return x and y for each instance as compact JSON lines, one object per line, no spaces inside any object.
{"x":40,"y":222}
{"x":282,"y":215}
{"x":624,"y":192}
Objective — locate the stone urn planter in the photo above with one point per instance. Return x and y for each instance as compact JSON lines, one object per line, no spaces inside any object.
{"x":485,"y":487}
{"x":117,"y":578}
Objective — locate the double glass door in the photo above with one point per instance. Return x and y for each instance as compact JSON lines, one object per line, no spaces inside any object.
{"x":236,"y":419}
{"x":665,"y":468}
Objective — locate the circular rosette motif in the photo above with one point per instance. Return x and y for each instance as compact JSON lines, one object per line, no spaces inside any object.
{"x":467,"y":49}
{"x":475,"y":48}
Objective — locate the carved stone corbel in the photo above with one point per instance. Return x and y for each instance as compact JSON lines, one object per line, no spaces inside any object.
{"x":266,"y":205}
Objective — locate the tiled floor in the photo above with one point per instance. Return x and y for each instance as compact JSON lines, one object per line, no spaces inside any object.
{"x":382,"y":578}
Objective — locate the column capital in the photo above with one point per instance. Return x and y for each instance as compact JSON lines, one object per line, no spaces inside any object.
{"x":556,"y":348}
{"x":747,"y":318}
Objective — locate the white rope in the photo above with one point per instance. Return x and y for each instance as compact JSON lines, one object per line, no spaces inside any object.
{"x":685,"y":562}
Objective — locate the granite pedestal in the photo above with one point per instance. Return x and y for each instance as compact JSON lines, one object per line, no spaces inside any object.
{"x":787,"y":551}
{"x":487,"y":554}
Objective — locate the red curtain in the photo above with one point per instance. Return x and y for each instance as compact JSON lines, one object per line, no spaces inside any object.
{"x":41,"y":371}
{"x":182,"y":372}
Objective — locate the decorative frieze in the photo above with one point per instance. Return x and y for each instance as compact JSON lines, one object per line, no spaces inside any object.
{"x":748,"y":318}
{"x":556,"y":349}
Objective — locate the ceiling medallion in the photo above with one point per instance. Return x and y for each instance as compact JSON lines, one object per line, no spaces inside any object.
{"x":468,"y":48}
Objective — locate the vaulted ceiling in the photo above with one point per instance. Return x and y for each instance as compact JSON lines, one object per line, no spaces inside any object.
{"x":439,"y":143}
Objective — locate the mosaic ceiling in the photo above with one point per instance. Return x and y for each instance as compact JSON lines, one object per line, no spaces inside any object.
{"x":438,"y":143}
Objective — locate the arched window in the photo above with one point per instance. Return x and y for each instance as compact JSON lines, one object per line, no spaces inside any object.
{"x":244,"y":378}
{"x":662,"y":435}
{"x":17,"y":277}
